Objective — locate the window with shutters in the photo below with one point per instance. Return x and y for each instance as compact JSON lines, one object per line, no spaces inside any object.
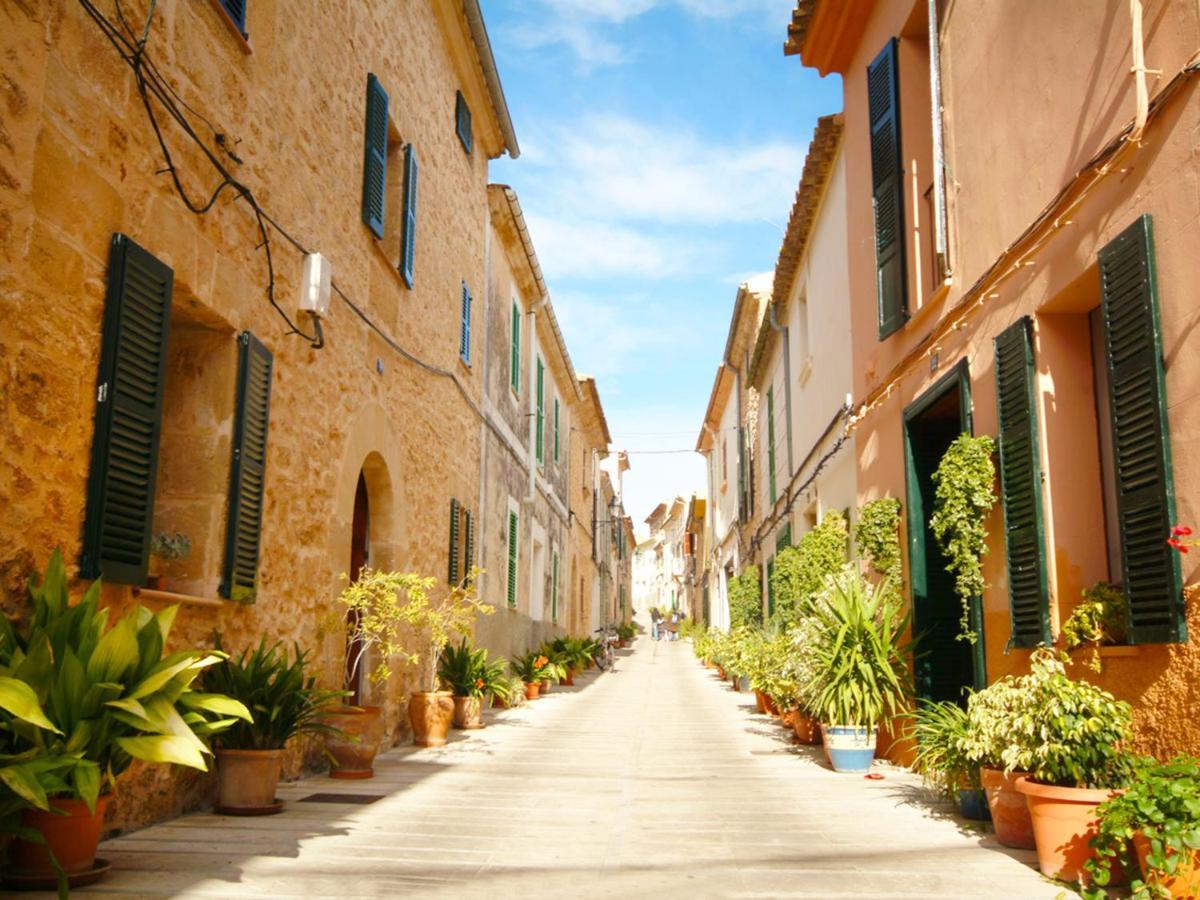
{"x":390,"y":176}
{"x":235,"y":11}
{"x":887,"y":188}
{"x":556,"y":428}
{"x":464,"y":328}
{"x":540,"y":422}
{"x":770,"y":436}
{"x":554,"y":587}
{"x":513,"y":543}
{"x":462,"y":121}
{"x":462,"y":543}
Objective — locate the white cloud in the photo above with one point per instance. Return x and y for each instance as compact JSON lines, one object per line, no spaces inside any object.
{"x":619,"y":168}
{"x":585,"y":247}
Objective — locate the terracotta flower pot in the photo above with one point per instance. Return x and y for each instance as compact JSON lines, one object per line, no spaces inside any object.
{"x":247,"y":780}
{"x":430,"y":714}
{"x":499,"y":702}
{"x":771,"y":707}
{"x":532,"y":689}
{"x":468,"y":712}
{"x":543,"y":688}
{"x":570,"y":679}
{"x":1184,"y":884}
{"x":1010,"y":812}
{"x":760,"y":701}
{"x":805,"y":727}
{"x":354,"y":754}
{"x":721,"y":672}
{"x":72,"y":833}
{"x":1064,"y":820}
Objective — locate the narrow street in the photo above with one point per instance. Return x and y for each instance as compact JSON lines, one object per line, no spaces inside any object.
{"x":656,"y":780}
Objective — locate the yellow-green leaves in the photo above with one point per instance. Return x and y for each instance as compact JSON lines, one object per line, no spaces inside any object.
{"x":18,"y":699}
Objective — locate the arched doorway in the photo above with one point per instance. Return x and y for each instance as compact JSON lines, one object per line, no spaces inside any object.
{"x":360,"y":554}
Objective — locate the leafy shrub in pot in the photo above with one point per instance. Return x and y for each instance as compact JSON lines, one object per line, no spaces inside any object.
{"x":1155,"y":825}
{"x":940,"y":730}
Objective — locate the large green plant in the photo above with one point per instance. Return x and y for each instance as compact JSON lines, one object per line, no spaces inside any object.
{"x":745,"y":598}
{"x":465,"y":670}
{"x":1062,"y":731}
{"x":801,"y":572}
{"x":860,"y":662}
{"x":1098,"y":619}
{"x":109,"y":694}
{"x":385,"y":608}
{"x":940,"y":730}
{"x":800,"y":671}
{"x":964,"y":494}
{"x":284,"y":700}
{"x":530,"y":667}
{"x":877,"y":537}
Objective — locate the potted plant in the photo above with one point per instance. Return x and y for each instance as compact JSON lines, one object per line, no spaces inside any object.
{"x":1099,"y":620}
{"x":529,"y":669}
{"x":1074,"y":748}
{"x":860,"y":665}
{"x":799,"y":674}
{"x":385,"y":609}
{"x":466,"y":671}
{"x":284,"y":702}
{"x":110,"y":696}
{"x":1153,"y":825}
{"x":946,"y":767}
{"x":165,"y":547}
{"x":551,"y":672}
{"x":507,"y":690}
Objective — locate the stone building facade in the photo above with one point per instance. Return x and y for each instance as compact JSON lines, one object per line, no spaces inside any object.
{"x":1021,"y":265}
{"x":156,"y":375}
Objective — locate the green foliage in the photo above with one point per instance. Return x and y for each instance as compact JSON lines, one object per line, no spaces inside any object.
{"x":387,"y":608}
{"x":860,"y":661}
{"x":802,"y":571}
{"x":964,"y":494}
{"x":169,"y":546}
{"x":509,"y":689}
{"x":877,"y":536}
{"x":626,"y":631}
{"x":1162,"y":804}
{"x":464,"y":670}
{"x":703,"y":644}
{"x":940,"y":730}
{"x":283,"y":700}
{"x":1063,"y":732}
{"x":531,"y":667}
{"x":1099,"y":619}
{"x":107,"y":694}
{"x":745,"y":598}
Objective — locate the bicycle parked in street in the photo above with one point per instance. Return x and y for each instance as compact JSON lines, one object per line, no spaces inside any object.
{"x":608,"y":640}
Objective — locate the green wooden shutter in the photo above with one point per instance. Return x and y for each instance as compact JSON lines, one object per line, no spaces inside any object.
{"x":133,"y":357}
{"x":784,"y":538}
{"x":514,"y":374}
{"x":743,"y":508}
{"x":771,"y":441}
{"x":541,"y":412}
{"x":1021,"y":486}
{"x":512,"y":559}
{"x":771,"y":587}
{"x":554,"y":590}
{"x":887,"y":184}
{"x":247,"y":480}
{"x":408,"y":240}
{"x":556,"y":428}
{"x":464,"y":332}
{"x":375,"y":144}
{"x":1141,"y":443}
{"x":462,"y":121}
{"x":454,"y":575}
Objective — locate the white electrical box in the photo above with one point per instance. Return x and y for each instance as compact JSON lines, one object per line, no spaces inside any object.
{"x":316,"y":285}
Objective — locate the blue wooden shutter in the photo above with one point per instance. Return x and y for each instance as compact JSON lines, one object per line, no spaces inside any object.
{"x":375,"y":144}
{"x":462,"y":121}
{"x":133,"y":358}
{"x":1141,"y":442}
{"x":887,"y":185}
{"x":247,"y":482}
{"x":464,"y":332}
{"x":237,"y":12}
{"x":454,"y":575}
{"x":1021,"y":486}
{"x":409,"y":239}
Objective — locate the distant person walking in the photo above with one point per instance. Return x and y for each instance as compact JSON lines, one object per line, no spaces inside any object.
{"x":655,"y":615}
{"x":674,"y":630}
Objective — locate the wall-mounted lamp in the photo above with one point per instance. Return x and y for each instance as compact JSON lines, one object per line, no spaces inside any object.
{"x":316,"y":288}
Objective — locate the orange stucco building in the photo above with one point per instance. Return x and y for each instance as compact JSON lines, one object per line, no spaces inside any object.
{"x":1022,"y":217}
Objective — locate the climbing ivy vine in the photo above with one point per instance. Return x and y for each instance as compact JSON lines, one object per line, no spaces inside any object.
{"x":964,"y":494}
{"x":801,"y":571}
{"x":745,"y":598}
{"x":877,"y":536}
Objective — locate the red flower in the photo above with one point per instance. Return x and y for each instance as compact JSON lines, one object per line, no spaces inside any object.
{"x":1177,"y":544}
{"x":1181,"y":531}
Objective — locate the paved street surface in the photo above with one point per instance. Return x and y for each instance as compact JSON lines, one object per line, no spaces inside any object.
{"x":654,"y":781}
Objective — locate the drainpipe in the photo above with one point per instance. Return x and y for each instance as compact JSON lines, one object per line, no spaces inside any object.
{"x":1139,"y":70}
{"x":941,"y":230}
{"x":787,"y":381}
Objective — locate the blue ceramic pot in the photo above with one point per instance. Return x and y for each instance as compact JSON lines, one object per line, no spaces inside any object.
{"x":851,"y":748}
{"x":973,"y":805}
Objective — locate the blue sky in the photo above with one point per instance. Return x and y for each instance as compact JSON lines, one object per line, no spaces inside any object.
{"x":661,"y":145}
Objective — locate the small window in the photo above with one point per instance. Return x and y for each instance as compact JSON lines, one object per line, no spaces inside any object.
{"x":462,"y":121}
{"x":464,"y":330}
